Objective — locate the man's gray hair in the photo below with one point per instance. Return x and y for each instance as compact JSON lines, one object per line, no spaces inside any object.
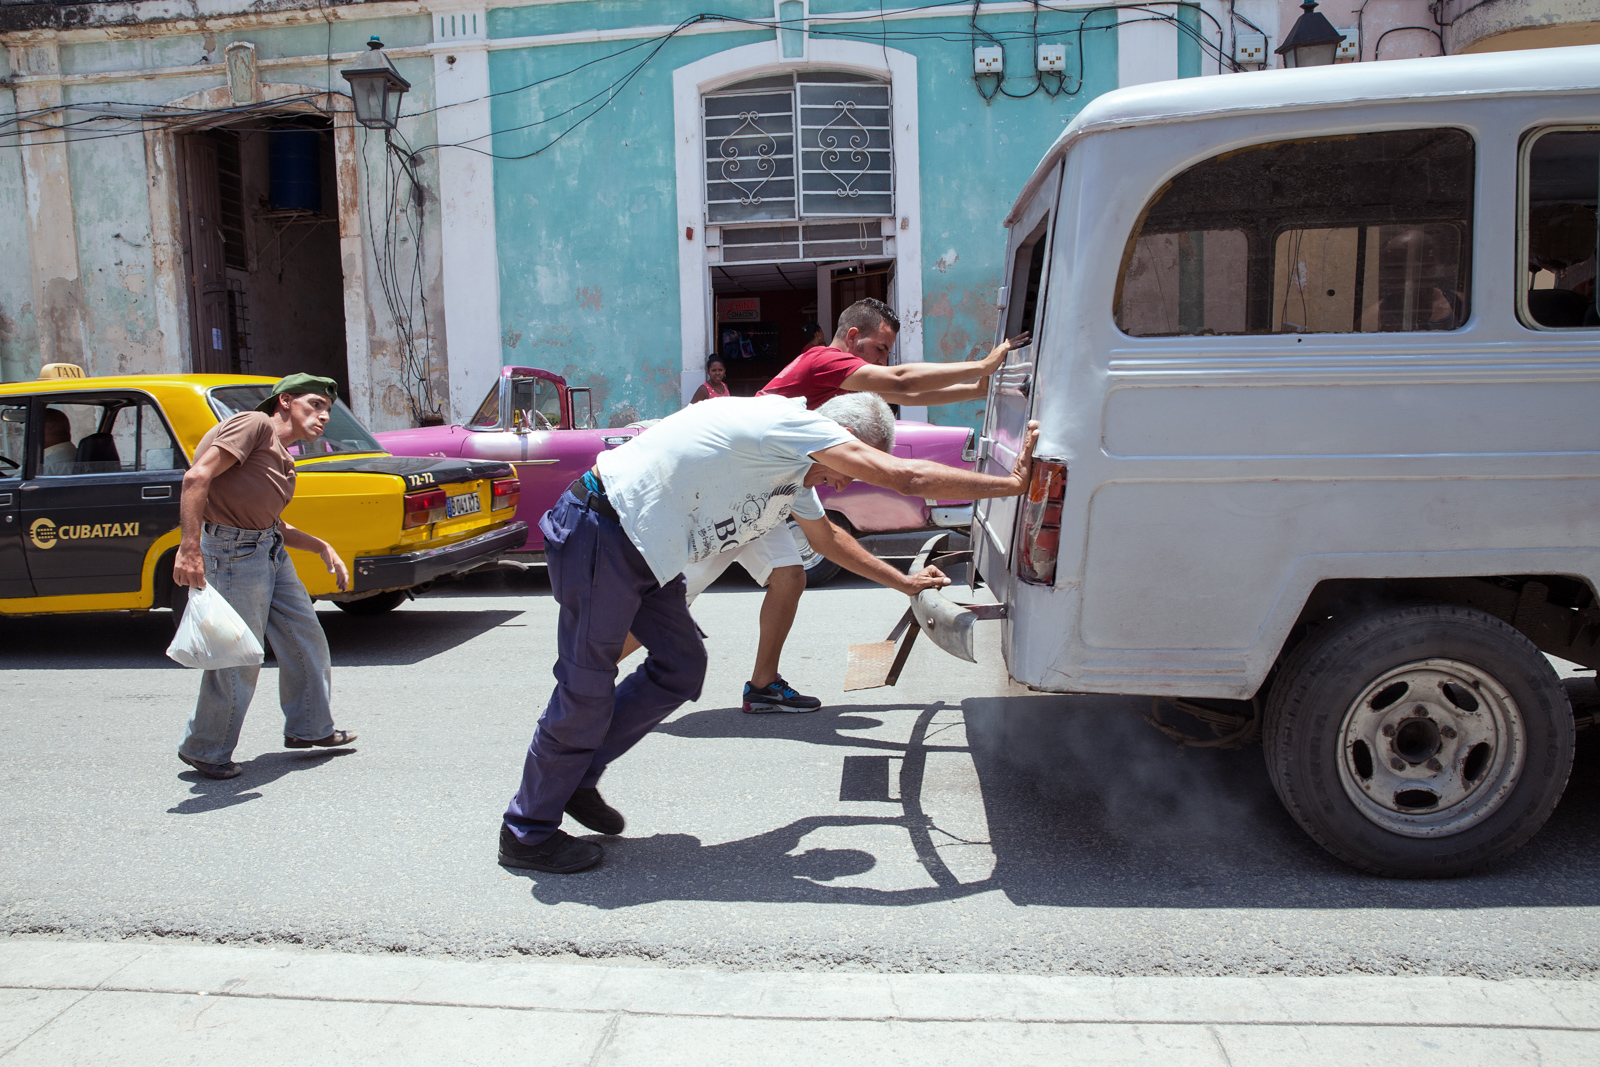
{"x":866,"y":416}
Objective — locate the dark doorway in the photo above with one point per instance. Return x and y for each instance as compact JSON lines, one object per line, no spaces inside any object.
{"x":761,"y":312}
{"x":261,"y":232}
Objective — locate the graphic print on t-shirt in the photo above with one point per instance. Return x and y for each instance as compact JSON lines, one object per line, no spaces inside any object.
{"x":751,"y":517}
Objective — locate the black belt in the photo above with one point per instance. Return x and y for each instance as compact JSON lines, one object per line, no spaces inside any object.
{"x":595,"y":502}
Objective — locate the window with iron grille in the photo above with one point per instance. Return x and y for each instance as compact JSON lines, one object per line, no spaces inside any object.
{"x":795,"y":147}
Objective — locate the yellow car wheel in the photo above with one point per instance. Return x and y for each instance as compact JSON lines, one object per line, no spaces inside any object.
{"x":376,"y":604}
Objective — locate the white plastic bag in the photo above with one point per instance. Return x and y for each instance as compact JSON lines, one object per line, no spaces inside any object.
{"x":212,"y":636}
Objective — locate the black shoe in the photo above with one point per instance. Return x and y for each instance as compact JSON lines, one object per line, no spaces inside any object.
{"x":560,"y":853}
{"x":589,"y":808}
{"x":213,"y":770}
{"x":777,"y":696}
{"x":333,"y":740}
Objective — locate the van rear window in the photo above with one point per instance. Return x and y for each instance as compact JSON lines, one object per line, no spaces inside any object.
{"x":1363,"y":233}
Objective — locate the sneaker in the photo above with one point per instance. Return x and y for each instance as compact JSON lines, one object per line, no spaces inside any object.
{"x":590,"y":809}
{"x":779,"y":696}
{"x":560,"y":853}
{"x":213,"y":770}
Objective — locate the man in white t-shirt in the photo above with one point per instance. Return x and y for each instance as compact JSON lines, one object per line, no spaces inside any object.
{"x":706,"y":480}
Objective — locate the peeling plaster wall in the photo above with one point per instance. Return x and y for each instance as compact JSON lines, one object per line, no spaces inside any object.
{"x":975,"y":158}
{"x":19,"y":338}
{"x":111,"y":208}
{"x":109,"y":179}
{"x":587,"y":230}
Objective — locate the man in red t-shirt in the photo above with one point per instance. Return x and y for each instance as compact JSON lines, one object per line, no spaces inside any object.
{"x":853,"y":363}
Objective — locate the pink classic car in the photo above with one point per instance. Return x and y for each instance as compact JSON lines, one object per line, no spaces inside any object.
{"x":545,"y":428}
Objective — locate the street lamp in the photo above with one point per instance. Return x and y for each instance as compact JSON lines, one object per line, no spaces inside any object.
{"x":376,"y":87}
{"x":1313,"y":42}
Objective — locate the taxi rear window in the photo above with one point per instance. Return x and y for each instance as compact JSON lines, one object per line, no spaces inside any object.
{"x":344,"y":433}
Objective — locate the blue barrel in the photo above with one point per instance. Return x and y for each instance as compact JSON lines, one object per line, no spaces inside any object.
{"x":295,"y":162}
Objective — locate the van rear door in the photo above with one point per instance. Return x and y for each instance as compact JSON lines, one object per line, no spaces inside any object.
{"x":1021,"y":300}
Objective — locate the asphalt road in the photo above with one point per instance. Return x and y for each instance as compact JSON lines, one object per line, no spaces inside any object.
{"x":955,"y":823}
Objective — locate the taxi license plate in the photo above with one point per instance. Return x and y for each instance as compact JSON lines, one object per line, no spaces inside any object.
{"x":465,"y":504}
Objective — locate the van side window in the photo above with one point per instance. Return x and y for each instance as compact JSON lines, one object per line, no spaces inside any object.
{"x":1362,"y":233}
{"x":1561,"y":183}
{"x":1026,"y":272}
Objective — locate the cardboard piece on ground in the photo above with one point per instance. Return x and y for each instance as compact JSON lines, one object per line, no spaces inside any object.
{"x":877,"y":663}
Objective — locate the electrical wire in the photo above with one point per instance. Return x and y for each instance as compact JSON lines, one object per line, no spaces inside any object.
{"x":1425,"y":29}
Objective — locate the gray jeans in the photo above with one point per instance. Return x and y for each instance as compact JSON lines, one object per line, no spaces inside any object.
{"x":254,"y":574}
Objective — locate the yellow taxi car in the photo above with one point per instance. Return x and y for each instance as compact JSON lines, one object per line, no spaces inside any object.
{"x":91,"y":471}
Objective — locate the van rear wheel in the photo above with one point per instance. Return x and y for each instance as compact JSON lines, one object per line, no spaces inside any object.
{"x":1419,"y":742}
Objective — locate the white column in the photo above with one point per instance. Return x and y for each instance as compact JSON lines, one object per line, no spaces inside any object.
{"x":470,"y":259}
{"x":1147,"y":51}
{"x":47,"y":191}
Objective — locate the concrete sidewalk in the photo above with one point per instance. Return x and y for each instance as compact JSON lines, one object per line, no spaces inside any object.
{"x":135,"y":1003}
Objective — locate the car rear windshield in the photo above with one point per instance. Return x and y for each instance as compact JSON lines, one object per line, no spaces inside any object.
{"x":343,"y":433}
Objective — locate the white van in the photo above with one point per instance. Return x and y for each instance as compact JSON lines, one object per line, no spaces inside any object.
{"x":1317,"y":370}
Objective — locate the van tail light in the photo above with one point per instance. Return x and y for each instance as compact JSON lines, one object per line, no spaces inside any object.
{"x":507,"y":491}
{"x":1041,"y":523}
{"x":423,"y":508}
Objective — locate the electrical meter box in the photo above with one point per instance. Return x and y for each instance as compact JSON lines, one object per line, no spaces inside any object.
{"x":988,"y":59}
{"x":1250,"y":48}
{"x":1052,"y":58}
{"x":1350,"y":47}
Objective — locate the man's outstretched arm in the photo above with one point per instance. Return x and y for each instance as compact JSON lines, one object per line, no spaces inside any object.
{"x":921,"y":377}
{"x":836,"y":545}
{"x":920,"y":477}
{"x":949,"y":394}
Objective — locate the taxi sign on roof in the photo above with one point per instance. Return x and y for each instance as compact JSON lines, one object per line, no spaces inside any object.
{"x":61,"y":370}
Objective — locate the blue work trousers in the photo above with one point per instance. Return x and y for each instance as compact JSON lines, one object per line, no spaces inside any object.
{"x":605,"y":589}
{"x":256,"y":576}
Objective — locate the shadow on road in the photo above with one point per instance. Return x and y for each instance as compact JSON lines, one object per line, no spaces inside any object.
{"x":138,"y":641}
{"x":406,"y":636}
{"x":212,"y":795}
{"x":1087,"y":806}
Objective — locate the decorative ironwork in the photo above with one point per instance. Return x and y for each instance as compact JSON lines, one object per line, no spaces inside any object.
{"x":833,"y":153}
{"x":731,"y":160}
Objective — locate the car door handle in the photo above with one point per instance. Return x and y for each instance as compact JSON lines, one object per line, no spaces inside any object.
{"x":5,"y":499}
{"x":156,"y":492}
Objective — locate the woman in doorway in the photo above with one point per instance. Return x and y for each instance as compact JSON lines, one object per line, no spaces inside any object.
{"x":714,"y":385}
{"x":812,"y":332}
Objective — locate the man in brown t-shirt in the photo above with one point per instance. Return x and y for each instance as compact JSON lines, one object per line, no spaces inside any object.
{"x":233,"y":496}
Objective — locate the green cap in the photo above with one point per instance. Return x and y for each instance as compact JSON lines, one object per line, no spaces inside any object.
{"x":296,"y":384}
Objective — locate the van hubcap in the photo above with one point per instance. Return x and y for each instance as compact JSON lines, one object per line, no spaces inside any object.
{"x":1430,"y":748}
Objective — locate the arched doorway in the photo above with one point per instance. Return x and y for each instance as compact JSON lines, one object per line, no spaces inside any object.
{"x":798,"y":192}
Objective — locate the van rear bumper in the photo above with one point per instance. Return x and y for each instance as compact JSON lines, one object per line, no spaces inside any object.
{"x":375,"y":573}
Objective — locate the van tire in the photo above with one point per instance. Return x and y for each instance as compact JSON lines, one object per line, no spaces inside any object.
{"x":819,"y":569}
{"x":1370,"y":719}
{"x":376,"y":604}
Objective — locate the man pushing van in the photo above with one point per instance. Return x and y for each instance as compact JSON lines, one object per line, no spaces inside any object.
{"x":855,"y":362}
{"x":702,"y":482}
{"x":233,"y":534}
